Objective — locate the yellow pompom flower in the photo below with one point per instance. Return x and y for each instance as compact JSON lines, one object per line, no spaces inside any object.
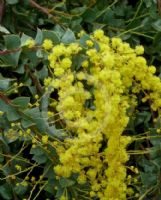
{"x":30,"y":43}
{"x":98,"y":34}
{"x":47,"y":44}
{"x":91,"y":173}
{"x":66,"y":63}
{"x":18,"y":167}
{"x":45,"y":139}
{"x":81,"y":76}
{"x":89,"y":43}
{"x":85,"y":64}
{"x":58,"y":71}
{"x":139,"y":50}
{"x":152,"y":69}
{"x":82,"y":179}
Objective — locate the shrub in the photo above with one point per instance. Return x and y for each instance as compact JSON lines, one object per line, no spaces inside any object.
{"x":80,"y":111}
{"x":76,"y":127}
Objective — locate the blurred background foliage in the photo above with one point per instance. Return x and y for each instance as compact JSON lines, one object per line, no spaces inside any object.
{"x":136,"y":22}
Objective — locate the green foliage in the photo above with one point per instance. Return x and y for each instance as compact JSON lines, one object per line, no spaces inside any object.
{"x":22,"y":71}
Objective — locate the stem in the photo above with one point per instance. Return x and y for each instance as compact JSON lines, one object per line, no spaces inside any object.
{"x":34,"y":80}
{"x":159,"y":6}
{"x":9,"y":51}
{"x":5,"y":98}
{"x":137,"y":11}
{"x":40,"y":8}
{"x":2,"y":9}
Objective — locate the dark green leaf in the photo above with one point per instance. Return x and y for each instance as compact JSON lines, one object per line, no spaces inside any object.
{"x":51,"y":35}
{"x":157,"y":25}
{"x":11,"y":59}
{"x":12,"y":114}
{"x":39,"y":36}
{"x":12,"y":41}
{"x":4,"y":83}
{"x":21,"y":102}
{"x":20,"y":189}
{"x":5,"y":192}
{"x":12,"y":1}
{"x":64,"y":182}
{"x":68,"y":37}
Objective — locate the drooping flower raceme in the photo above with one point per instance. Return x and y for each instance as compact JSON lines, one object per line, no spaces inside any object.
{"x":97,"y":82}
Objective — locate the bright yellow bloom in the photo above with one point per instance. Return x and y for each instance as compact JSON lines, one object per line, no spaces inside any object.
{"x":93,"y":101}
{"x":81,"y":76}
{"x":18,"y":167}
{"x":66,"y":63}
{"x":85,"y":64}
{"x":152,"y":69}
{"x":98,"y":34}
{"x":30,"y":43}
{"x":89,"y":43}
{"x":44,"y":139}
{"x":58,"y":71}
{"x":139,"y":50}
{"x":47,"y":44}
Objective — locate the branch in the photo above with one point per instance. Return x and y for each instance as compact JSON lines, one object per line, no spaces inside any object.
{"x":159,"y":6}
{"x":2,"y":8}
{"x":40,"y":8}
{"x":5,"y":98}
{"x":9,"y":51}
{"x":34,"y":80}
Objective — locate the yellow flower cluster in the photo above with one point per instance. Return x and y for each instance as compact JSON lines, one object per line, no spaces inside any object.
{"x":30,"y":43}
{"x":93,"y":101}
{"x":47,"y":44}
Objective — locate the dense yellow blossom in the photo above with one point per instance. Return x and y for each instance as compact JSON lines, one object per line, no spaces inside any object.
{"x":93,"y":101}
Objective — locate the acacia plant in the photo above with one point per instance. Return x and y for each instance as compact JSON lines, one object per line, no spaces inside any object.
{"x":80,"y":100}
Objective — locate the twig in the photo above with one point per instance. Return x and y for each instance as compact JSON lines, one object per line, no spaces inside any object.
{"x":2,"y":8}
{"x":40,"y":8}
{"x":44,"y":10}
{"x":5,"y":98}
{"x":159,"y":6}
{"x":34,"y":80}
{"x":5,"y":52}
